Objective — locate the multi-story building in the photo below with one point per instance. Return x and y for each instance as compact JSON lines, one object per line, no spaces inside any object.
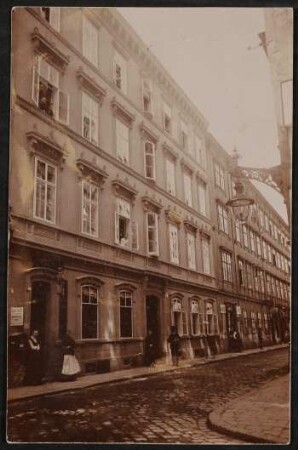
{"x":118,"y":202}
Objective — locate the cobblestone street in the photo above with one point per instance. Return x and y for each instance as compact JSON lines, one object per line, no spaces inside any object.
{"x":166,"y":408}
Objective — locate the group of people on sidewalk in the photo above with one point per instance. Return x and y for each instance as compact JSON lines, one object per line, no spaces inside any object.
{"x":34,"y":359}
{"x":71,"y":367}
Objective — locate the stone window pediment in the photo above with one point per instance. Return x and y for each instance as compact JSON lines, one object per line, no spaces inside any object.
{"x":44,"y":46}
{"x":176,"y":296}
{"x":170,"y":152}
{"x":190,"y":226}
{"x":90,"y":171}
{"x":151,"y":204}
{"x":91,"y":86}
{"x":122,"y":113}
{"x":45,"y":146}
{"x":90,"y":281}
{"x":125,"y":287}
{"x":148,"y":134}
{"x":205,"y":234}
{"x":187,"y":167}
{"x":124,"y":188}
{"x":173,"y":216}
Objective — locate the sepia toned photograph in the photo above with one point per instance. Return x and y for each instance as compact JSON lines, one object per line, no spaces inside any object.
{"x":149,"y":269}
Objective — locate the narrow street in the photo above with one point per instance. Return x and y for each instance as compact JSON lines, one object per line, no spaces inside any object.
{"x":166,"y":408}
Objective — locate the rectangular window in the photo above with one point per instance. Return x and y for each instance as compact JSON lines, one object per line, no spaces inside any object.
{"x":152,"y":234}
{"x":89,"y":312}
{"x":211,"y":319}
{"x":219,"y":176}
{"x":191,"y":251}
{"x":187,"y":189}
{"x":89,"y":118}
{"x":264,"y":249}
{"x":262,"y":220}
{"x":45,"y":183}
{"x":226,"y":262}
{"x":242,"y":278}
{"x":200,"y":151}
{"x":255,"y":278}
{"x":259,"y":249}
{"x":174,"y":246}
{"x":46,"y":92}
{"x":126,"y":229}
{"x":223,"y":223}
{"x":269,"y":252}
{"x":184,"y":135}
{"x":245,"y":235}
{"x":122,"y":142}
{"x":170,"y":175}
{"x":167,"y":111}
{"x":89,"y":208}
{"x":202,"y":195}
{"x":147,"y":96}
{"x":261,"y":280}
{"x":249,"y":276}
{"x":90,"y":41}
{"x":120,"y":72}
{"x":195,"y":322}
{"x":252,"y":241}
{"x":237,"y":230}
{"x":149,"y":160}
{"x":206,"y":256}
{"x":52,"y":16}
{"x":125,"y":314}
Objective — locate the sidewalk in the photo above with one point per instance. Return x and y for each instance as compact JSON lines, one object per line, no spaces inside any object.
{"x":26,"y":392}
{"x":262,"y":415}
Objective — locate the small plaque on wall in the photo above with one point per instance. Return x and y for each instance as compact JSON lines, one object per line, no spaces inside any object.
{"x":17,"y":316}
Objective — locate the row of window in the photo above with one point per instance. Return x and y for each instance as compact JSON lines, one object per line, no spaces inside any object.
{"x":253,"y":277}
{"x":189,"y":141}
{"x":251,"y":240}
{"x":126,"y":228}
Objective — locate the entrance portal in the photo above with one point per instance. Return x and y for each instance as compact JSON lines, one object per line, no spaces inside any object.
{"x":153,"y":321}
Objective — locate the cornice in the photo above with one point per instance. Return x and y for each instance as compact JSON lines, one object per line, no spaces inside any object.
{"x":186,"y":166}
{"x":151,"y":204}
{"x":43,"y":45}
{"x":190,"y":225}
{"x":173,"y":217}
{"x":124,"y":188}
{"x":169,"y":151}
{"x":87,"y":82}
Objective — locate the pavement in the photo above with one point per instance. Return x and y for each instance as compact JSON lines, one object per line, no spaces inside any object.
{"x":262,"y":415}
{"x":56,"y":387}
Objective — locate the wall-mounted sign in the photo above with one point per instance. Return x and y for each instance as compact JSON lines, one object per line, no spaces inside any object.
{"x":17,"y":316}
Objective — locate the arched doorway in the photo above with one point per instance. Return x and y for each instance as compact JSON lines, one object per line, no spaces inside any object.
{"x":153,"y":321}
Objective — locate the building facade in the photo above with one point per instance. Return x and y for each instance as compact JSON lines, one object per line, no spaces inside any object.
{"x":118,"y":203}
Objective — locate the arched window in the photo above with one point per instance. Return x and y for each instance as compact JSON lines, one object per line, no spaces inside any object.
{"x":179,"y":316}
{"x":211,"y":318}
{"x":126,"y":322}
{"x":89,"y":303}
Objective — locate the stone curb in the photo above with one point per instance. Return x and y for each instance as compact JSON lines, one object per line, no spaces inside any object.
{"x":148,"y":373}
{"x":216,"y":421}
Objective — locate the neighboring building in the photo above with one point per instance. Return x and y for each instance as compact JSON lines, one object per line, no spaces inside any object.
{"x":115,"y":190}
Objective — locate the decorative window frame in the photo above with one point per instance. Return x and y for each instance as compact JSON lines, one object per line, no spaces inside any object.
{"x":129,"y":288}
{"x":43,"y":46}
{"x":96,"y":282}
{"x":90,"y":85}
{"x":46,"y":147}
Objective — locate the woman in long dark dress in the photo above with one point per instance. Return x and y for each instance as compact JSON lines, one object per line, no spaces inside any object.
{"x":70,"y":367}
{"x":34,"y":363}
{"x":174,"y":341}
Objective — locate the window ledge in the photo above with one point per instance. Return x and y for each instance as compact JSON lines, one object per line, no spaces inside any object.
{"x":150,"y":203}
{"x":146,"y":133}
{"x":123,"y":113}
{"x":123,"y":187}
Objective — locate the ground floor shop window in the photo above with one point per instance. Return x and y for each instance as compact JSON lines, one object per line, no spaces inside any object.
{"x":196,"y":318}
{"x":126,"y":314}
{"x":179,"y":317}
{"x":89,"y":312}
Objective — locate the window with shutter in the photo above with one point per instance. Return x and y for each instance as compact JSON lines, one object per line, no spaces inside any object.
{"x":45,"y":185}
{"x":120,"y":72}
{"x":46,"y":93}
{"x":174,"y":249}
{"x":122,"y":142}
{"x":170,"y":175}
{"x":147,"y":96}
{"x":187,"y":189}
{"x":89,"y":208}
{"x":89,"y":118}
{"x":191,"y":251}
{"x":152,"y":234}
{"x":149,"y":160}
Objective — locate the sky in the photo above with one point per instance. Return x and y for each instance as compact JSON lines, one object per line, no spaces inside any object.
{"x":215,"y":57}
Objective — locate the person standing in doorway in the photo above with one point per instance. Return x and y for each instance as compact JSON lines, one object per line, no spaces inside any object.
{"x":174,"y":341}
{"x":260,"y":337}
{"x":34,"y":363}
{"x":70,"y":367}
